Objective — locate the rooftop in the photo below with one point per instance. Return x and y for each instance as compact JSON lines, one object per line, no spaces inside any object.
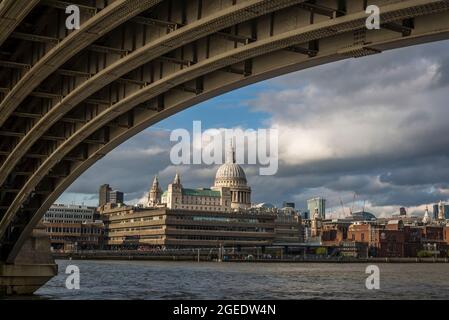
{"x":201,"y":192}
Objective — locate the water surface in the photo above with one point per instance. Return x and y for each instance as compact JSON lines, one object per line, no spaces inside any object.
{"x":212,"y":280}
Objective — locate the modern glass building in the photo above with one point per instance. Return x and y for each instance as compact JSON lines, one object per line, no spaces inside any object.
{"x":317,"y":203}
{"x":436,"y":211}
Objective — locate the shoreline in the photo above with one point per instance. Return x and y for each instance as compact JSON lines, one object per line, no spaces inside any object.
{"x":191,"y":258}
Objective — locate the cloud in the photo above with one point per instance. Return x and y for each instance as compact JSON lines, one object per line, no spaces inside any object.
{"x":376,"y":126}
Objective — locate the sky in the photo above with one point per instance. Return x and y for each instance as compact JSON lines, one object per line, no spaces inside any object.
{"x":370,"y":133}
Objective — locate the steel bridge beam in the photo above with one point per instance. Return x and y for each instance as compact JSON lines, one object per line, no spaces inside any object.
{"x":153,"y":50}
{"x":289,"y":65}
{"x":12,"y":12}
{"x":112,"y":16}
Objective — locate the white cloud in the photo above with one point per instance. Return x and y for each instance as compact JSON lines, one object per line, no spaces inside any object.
{"x":317,"y":122}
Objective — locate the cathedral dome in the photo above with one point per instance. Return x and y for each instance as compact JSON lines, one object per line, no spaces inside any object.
{"x":229,"y":175}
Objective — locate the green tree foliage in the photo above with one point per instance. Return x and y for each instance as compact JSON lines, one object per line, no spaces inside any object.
{"x":424,"y":254}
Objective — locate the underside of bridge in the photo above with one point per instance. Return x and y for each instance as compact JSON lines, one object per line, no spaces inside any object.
{"x":68,"y":97}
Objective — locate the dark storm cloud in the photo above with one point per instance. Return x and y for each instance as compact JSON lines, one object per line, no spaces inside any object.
{"x":129,"y":168}
{"x":377,"y":126}
{"x":352,"y":75}
{"x":443,"y":70}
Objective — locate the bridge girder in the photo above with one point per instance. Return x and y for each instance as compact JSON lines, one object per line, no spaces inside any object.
{"x":223,"y":67}
{"x":153,"y":50}
{"x":106,"y":20}
{"x":11,"y":14}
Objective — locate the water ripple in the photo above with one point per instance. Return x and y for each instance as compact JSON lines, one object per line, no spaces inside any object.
{"x":208,"y":280}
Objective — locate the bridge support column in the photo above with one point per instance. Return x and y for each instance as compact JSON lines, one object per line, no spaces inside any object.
{"x":32,"y":268}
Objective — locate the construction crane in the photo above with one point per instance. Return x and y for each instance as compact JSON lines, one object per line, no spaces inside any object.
{"x":342,"y":207}
{"x":353,"y":202}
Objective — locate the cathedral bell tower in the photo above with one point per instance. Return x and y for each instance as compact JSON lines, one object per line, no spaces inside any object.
{"x":155,"y":194}
{"x":174,"y":197}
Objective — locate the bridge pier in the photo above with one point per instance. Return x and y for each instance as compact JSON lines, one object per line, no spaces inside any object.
{"x":32,"y":268}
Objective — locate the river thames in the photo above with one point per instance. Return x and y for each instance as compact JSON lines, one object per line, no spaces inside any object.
{"x":212,"y":280}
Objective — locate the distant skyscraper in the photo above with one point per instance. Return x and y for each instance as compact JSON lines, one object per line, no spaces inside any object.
{"x":103,"y":196}
{"x":107,"y":195}
{"x":436,"y":211}
{"x":286,"y":204}
{"x":402,"y":211}
{"x":317,"y":203}
{"x":440,"y":211}
{"x":305,"y":215}
{"x":116,"y":197}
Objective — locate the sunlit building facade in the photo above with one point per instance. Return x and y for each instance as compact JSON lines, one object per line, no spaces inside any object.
{"x":72,"y":227}
{"x":230,"y":191}
{"x":315,"y":204}
{"x":204,"y":217}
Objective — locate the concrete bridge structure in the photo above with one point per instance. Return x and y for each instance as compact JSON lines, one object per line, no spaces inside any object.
{"x":68,"y":97}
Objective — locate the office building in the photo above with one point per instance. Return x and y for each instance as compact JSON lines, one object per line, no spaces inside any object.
{"x":116,"y":197}
{"x":286,"y":204}
{"x":72,"y":227}
{"x":107,"y":195}
{"x":440,"y":211}
{"x":103,"y":195}
{"x":317,"y":204}
{"x":305,"y":215}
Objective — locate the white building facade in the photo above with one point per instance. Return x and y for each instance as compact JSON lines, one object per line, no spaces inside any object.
{"x":63,"y":213}
{"x":229,"y":192}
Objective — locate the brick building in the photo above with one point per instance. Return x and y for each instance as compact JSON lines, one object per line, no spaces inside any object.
{"x":382,"y":242}
{"x":334,"y":233}
{"x":394,"y":239}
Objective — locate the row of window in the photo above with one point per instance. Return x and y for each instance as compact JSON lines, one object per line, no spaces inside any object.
{"x":65,"y":221}
{"x":136,"y":229}
{"x":132,"y":220}
{"x":69,"y":215}
{"x":140,"y":237}
{"x":71,"y":239}
{"x":65,"y":210}
{"x":217,"y":219}
{"x":200,"y":200}
{"x":198,"y":237}
{"x":219,"y":228}
{"x":201,"y":208}
{"x":73,"y":230}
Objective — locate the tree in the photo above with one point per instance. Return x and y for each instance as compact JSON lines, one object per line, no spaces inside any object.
{"x":424,"y":254}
